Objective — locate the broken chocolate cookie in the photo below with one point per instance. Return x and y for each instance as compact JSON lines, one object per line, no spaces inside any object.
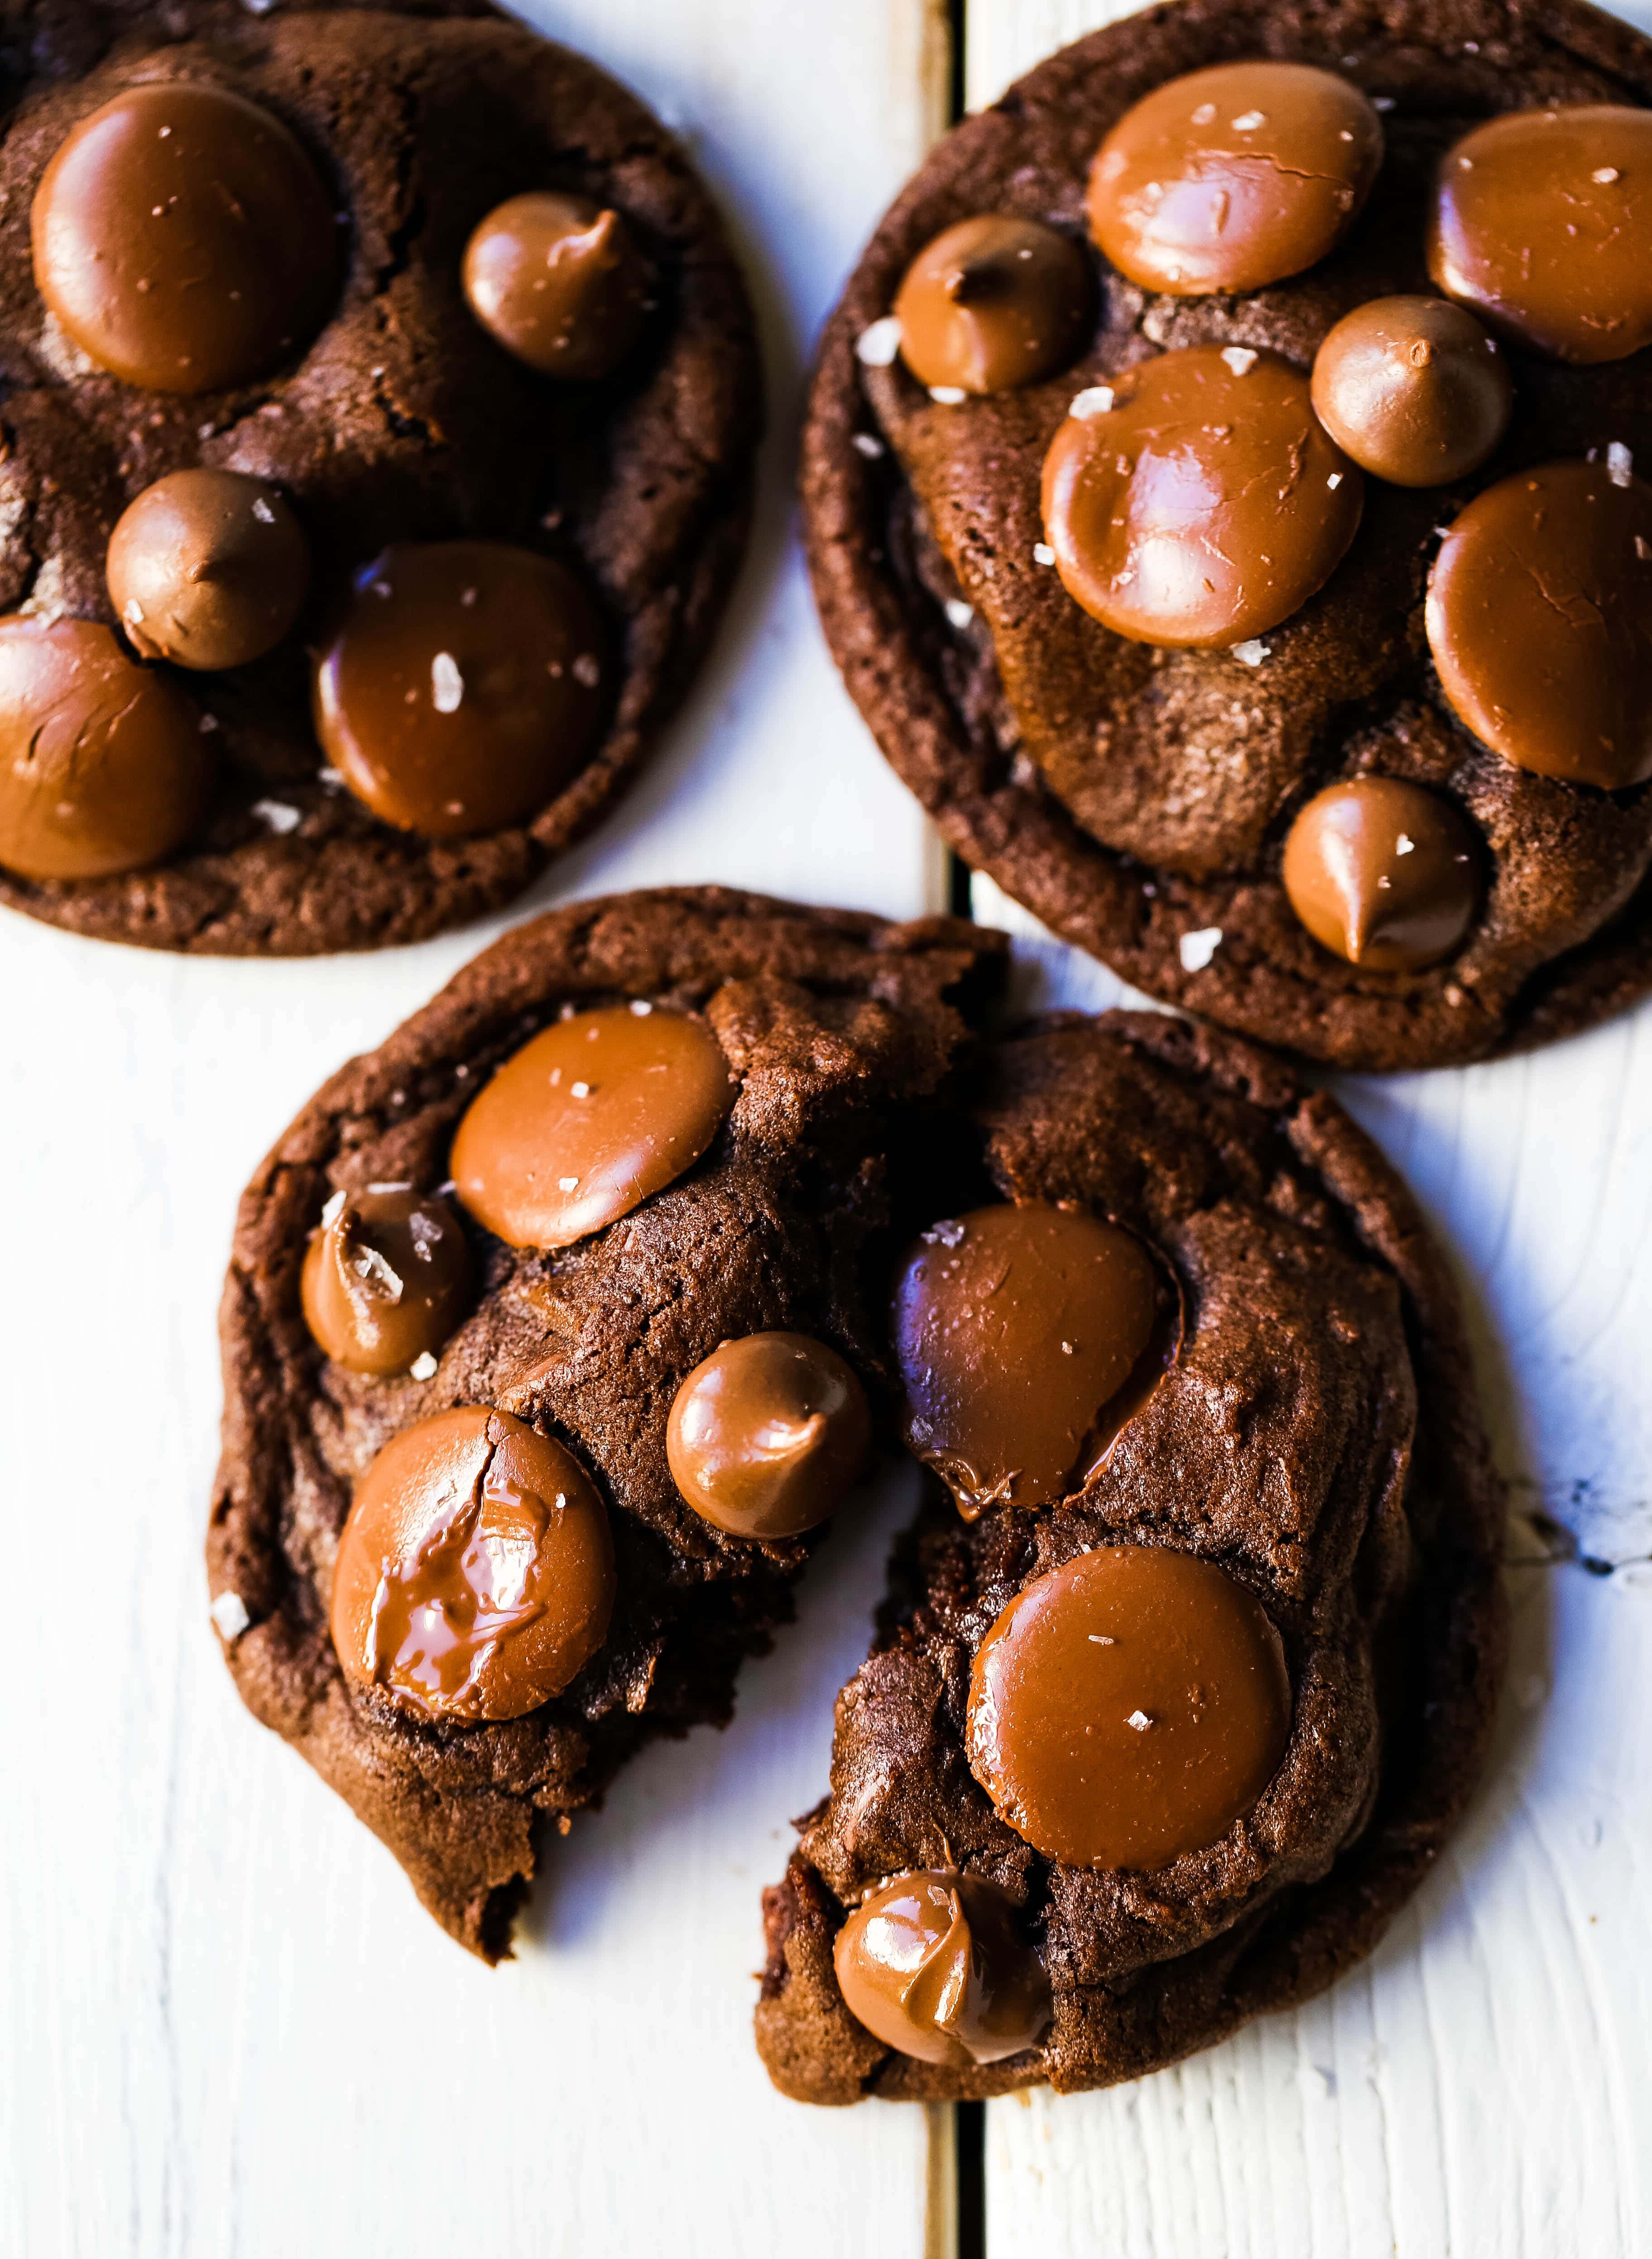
{"x":471,"y":1284}
{"x":1148,"y":1750}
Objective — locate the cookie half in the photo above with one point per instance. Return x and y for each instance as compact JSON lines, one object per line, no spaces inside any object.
{"x":520,"y":688}
{"x":811,"y":1046}
{"x":1138,"y":798}
{"x":1126,"y":1769}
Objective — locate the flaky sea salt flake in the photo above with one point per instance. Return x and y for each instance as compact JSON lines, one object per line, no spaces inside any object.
{"x":1197,"y":949}
{"x":276,"y":816}
{"x":228,"y":1613}
{"x":1619,"y":463}
{"x":866,"y":445}
{"x":1251,"y":652}
{"x":447,"y":684}
{"x":422,"y":1366}
{"x":1140,"y":1720}
{"x":958,"y":613}
{"x":1094,"y":400}
{"x":876,"y":347}
{"x":1239,"y":359}
{"x":1042,"y":554}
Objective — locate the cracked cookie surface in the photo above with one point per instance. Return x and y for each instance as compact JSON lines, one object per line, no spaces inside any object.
{"x":839,"y":1030}
{"x":400,"y":420}
{"x":1137,"y":799}
{"x":1318,"y":1439}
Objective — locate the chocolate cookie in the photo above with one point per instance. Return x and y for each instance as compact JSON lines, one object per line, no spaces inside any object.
{"x":1126,"y":566}
{"x":565,"y":1284}
{"x":1161,"y":1743}
{"x":380,"y":411}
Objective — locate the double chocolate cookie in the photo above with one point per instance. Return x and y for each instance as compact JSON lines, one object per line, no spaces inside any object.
{"x":1179,"y":1691}
{"x":1226,"y":482}
{"x":548,"y":1353}
{"x":380,"y":405}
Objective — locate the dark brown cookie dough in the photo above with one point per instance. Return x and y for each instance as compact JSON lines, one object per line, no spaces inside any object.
{"x":1318,"y":1439}
{"x":838,"y":1027}
{"x":1133,"y":797}
{"x":400,"y":420}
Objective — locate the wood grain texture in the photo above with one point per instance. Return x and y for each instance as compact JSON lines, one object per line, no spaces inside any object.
{"x":225,"y":2027}
{"x":1481,"y":2088}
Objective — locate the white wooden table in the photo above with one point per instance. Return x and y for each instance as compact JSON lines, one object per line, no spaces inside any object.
{"x":226,"y":2027}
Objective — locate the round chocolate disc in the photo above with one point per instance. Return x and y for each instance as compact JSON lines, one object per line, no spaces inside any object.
{"x":1414,"y":389}
{"x":184,"y":239}
{"x":1233,"y":178}
{"x":386,"y":1278}
{"x":1384,"y":873}
{"x":934,"y":1964}
{"x":467,"y":683}
{"x":587,"y":1121}
{"x":104,"y":766}
{"x":1015,"y":1327}
{"x":476,"y":1574}
{"x":766,"y":1435}
{"x":1541,"y":222}
{"x":560,"y":282}
{"x":206,"y":568}
{"x":1206,"y":506}
{"x":1540,"y":620}
{"x":994,"y":303}
{"x":1127,"y":1707}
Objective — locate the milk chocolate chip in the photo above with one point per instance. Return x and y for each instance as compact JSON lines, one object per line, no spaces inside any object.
{"x":766,"y":1435}
{"x":467,"y":683}
{"x":1232,"y":178}
{"x":1205,"y":506}
{"x":994,"y":303}
{"x":934,"y":1965}
{"x":1384,"y":873}
{"x":589,"y":1120}
{"x":1127,"y":1707}
{"x":184,"y":239}
{"x":476,"y":1575}
{"x":1540,"y":620}
{"x":560,"y":282}
{"x":102,"y":764}
{"x":1540,"y":222}
{"x":1414,"y":389}
{"x":206,"y":568}
{"x":386,"y":1278}
{"x":1015,"y":1328}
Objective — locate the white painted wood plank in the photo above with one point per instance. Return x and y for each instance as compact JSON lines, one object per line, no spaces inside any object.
{"x":225,"y":2027}
{"x":1481,"y":2089}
